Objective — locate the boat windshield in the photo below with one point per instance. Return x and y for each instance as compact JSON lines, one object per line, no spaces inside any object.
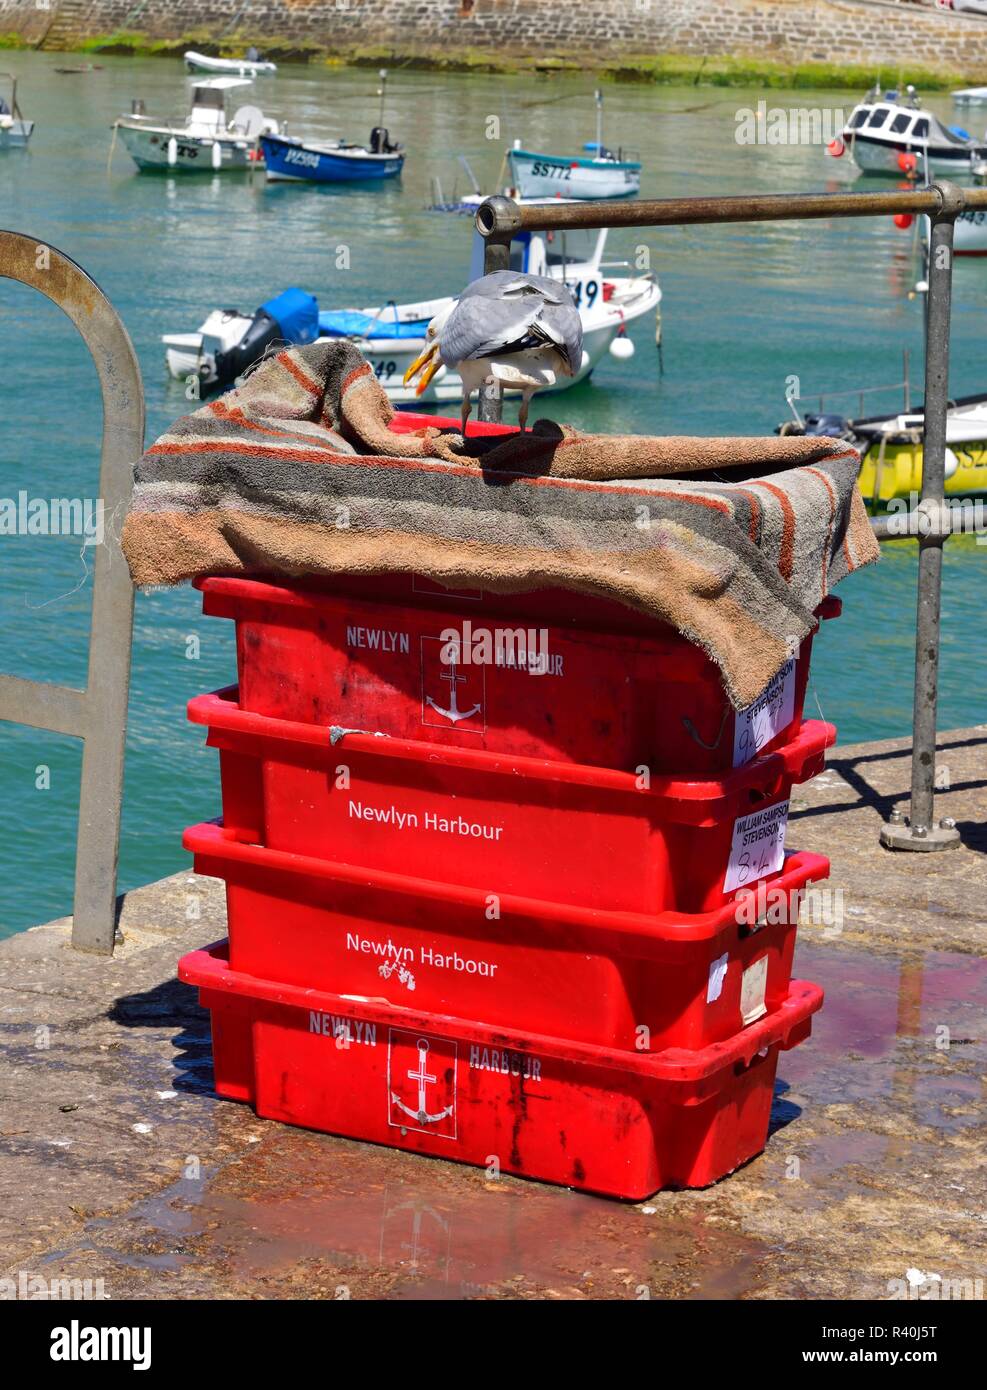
{"x":878,"y":116}
{"x":858,"y":117}
{"x":564,"y":247}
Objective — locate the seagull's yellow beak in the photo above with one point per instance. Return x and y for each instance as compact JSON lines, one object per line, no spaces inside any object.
{"x":429,"y":356}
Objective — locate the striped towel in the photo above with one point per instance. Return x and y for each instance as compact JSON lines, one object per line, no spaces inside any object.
{"x":299,"y":472}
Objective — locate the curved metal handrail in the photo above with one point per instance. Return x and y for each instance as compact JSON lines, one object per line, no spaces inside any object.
{"x":98,"y":714}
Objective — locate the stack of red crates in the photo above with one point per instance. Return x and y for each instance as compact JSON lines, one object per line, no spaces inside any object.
{"x":506,"y":880}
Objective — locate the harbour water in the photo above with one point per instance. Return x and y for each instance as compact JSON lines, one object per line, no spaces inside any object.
{"x":745,"y":310}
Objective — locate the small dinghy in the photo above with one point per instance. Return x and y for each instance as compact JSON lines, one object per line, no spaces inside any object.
{"x":596,"y":173}
{"x":15,"y":131}
{"x":250,"y":66}
{"x":207,"y":140}
{"x":289,"y":158}
{"x":888,"y":135}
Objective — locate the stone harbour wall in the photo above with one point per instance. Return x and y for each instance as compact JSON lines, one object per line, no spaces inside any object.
{"x":594,"y":32}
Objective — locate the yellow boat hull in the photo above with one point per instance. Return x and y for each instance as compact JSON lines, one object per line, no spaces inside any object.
{"x":898,"y":471}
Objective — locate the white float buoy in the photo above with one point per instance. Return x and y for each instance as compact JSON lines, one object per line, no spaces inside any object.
{"x":217,"y":155}
{"x":622,"y":348}
{"x":952,"y":463}
{"x":172,"y":151}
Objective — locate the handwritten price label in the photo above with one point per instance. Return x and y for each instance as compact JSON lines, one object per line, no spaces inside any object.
{"x":762,"y":721}
{"x":758,"y":847}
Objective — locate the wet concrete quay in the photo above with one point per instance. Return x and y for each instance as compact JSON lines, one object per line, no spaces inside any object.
{"x":119,"y":1164}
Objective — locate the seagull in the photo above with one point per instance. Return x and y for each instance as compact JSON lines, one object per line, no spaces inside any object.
{"x":517,"y":330}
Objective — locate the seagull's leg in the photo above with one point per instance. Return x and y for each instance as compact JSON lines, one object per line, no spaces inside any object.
{"x":522,"y":415}
{"x":465,"y":412}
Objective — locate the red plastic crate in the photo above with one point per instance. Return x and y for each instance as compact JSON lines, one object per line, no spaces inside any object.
{"x":615,"y":688}
{"x":505,"y":824}
{"x":615,"y":1122}
{"x":618,"y":979}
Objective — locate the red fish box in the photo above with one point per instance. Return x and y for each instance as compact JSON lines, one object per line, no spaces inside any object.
{"x":506,"y":824}
{"x":548,"y":674}
{"x":617,"y":979}
{"x":614,"y":1122}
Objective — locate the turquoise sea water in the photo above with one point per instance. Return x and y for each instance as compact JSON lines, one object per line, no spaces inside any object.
{"x":744,"y":309}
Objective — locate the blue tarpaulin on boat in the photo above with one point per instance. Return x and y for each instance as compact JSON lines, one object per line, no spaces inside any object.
{"x":296,"y":314}
{"x":350,"y":323}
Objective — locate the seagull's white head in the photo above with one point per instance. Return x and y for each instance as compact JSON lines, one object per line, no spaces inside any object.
{"x":428,"y":362}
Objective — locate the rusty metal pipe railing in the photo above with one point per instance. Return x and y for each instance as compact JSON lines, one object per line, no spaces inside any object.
{"x":98,"y":714}
{"x":500,"y":219}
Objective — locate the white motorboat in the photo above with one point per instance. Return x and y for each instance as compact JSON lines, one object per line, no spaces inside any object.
{"x":239,"y":67}
{"x":887,"y":134}
{"x":595,"y":173}
{"x":207,"y":140}
{"x":15,"y":131}
{"x":392,"y":336}
{"x":970,"y":96}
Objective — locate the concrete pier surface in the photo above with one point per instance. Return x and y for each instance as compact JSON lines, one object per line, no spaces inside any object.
{"x":118,"y":1163}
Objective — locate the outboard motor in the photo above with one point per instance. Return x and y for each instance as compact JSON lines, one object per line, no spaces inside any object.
{"x":830,"y":425}
{"x":291,"y":317}
{"x":380,"y":141}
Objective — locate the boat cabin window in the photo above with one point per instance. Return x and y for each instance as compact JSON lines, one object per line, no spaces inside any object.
{"x":877,"y":117}
{"x":563,"y":247}
{"x":858,"y":117}
{"x":208,"y":96}
{"x":901,"y":122}
{"x":921,"y":128}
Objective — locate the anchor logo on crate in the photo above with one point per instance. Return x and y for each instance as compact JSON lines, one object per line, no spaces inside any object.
{"x":421,"y":1083}
{"x":462,"y":703}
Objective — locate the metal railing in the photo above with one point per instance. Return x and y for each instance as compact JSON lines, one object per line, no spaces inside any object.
{"x":499,"y":219}
{"x":98,"y":714}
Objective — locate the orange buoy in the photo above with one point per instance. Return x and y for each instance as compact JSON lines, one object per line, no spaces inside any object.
{"x":836,"y":148}
{"x":907,"y":163}
{"x":903,"y":220}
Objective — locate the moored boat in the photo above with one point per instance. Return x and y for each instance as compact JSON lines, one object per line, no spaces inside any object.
{"x":391,"y":336}
{"x":891,"y":448}
{"x":888,"y":134}
{"x":15,"y":131}
{"x":207,"y":140}
{"x":290,"y":159}
{"x":596,"y":173}
{"x":239,"y":67}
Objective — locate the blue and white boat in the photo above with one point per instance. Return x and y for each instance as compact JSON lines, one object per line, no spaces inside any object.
{"x":335,"y":161}
{"x":331,"y":161}
{"x":596,"y":173}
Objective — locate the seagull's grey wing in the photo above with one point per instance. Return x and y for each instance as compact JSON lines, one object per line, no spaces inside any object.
{"x":566,"y":327}
{"x":481,"y":327}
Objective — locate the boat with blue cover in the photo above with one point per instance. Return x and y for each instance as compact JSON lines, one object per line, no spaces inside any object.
{"x":228,"y":341}
{"x":392,"y":335}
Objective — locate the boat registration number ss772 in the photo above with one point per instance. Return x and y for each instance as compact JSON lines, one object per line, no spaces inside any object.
{"x":552,"y":171}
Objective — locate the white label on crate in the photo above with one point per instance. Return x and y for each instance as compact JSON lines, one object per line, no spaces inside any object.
{"x":758,"y":847}
{"x":421,"y":1083}
{"x":762,"y":721}
{"x":753,"y":986}
{"x":717,"y":974}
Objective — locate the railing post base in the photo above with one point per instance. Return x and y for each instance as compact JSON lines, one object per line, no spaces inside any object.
{"x":897,"y":833}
